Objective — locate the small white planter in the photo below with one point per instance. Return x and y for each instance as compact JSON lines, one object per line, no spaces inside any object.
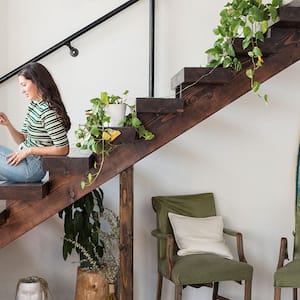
{"x":116,"y":113}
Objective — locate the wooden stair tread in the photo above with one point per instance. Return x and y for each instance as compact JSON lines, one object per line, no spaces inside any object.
{"x":23,"y":191}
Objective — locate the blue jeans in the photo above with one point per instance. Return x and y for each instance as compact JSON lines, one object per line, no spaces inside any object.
{"x":29,"y":169}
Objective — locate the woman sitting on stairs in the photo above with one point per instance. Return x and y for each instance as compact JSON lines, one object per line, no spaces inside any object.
{"x":44,"y":131}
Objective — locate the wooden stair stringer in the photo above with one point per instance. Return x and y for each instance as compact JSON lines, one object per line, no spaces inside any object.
{"x":202,"y":101}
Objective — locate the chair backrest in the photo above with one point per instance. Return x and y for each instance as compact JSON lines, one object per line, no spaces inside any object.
{"x":297,"y":211}
{"x":196,"y":205}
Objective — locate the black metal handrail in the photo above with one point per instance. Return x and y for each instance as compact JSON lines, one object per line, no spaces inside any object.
{"x":74,"y":52}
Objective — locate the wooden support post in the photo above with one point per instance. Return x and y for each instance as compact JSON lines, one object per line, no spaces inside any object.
{"x":126,"y":235}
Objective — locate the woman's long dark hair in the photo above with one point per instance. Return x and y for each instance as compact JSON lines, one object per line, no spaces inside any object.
{"x":47,"y":87}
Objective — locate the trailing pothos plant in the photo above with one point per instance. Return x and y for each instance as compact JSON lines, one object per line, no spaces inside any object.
{"x":247,"y":19}
{"x":132,"y":120}
{"x":94,"y":134}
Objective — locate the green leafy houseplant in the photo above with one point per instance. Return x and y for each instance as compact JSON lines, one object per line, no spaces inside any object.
{"x":132,"y":120}
{"x":250,"y":20}
{"x":94,"y":134}
{"x":82,"y":226}
{"x":93,"y":232}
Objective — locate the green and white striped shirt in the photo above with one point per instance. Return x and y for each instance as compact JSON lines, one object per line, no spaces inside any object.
{"x":43,"y":127}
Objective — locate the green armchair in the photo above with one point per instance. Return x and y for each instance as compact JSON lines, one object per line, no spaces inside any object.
{"x":195,"y":270}
{"x":288,"y":275}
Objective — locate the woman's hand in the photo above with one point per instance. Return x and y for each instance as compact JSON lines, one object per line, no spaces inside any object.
{"x":4,"y":119}
{"x":16,"y":157}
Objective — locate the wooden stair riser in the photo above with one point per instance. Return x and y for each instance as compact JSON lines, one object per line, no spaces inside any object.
{"x":159,"y":105}
{"x":290,"y":14}
{"x":24,"y":191}
{"x":77,"y":162}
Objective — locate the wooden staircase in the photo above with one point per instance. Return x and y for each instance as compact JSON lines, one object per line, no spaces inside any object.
{"x":199,"y":99}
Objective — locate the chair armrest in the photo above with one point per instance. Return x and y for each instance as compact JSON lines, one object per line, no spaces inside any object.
{"x":283,"y":252}
{"x":239,"y":243}
{"x":160,"y":235}
{"x":169,"y":248}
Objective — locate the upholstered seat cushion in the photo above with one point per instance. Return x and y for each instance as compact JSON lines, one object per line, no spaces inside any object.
{"x":205,"y":268}
{"x":288,"y":275}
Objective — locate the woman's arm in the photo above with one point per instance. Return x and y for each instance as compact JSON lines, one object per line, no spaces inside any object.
{"x":17,"y":136}
{"x":49,"y":150}
{"x":15,"y":157}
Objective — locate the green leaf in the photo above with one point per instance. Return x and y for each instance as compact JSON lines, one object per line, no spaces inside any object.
{"x":94,"y":238}
{"x":227,"y":62}
{"x":277,"y":3}
{"x":246,"y":42}
{"x":99,"y":250}
{"x":90,"y":177}
{"x":229,"y":49}
{"x":78,"y":222}
{"x":136,"y":122}
{"x":95,"y":131}
{"x":264,"y":26}
{"x":68,"y":224}
{"x":212,"y":51}
{"x":255,"y":86}
{"x":214,"y":63}
{"x":259,"y":36}
{"x":249,"y":73}
{"x":89,"y":203}
{"x":104,"y":98}
{"x":247,"y":32}
{"x":257,"y":51}
{"x":67,"y":248}
{"x":96,"y":148}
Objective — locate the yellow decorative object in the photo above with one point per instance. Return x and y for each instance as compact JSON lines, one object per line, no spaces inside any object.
{"x":106,"y":136}
{"x":110,"y":134}
{"x":114,"y":134}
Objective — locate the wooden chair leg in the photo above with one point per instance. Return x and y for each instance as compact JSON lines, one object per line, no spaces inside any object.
{"x":248,"y":288}
{"x":178,"y":292}
{"x":215,"y":291}
{"x":277,"y":292}
{"x":159,"y":286}
{"x":295,"y":295}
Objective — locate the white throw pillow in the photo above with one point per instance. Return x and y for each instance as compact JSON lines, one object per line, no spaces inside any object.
{"x":199,"y":235}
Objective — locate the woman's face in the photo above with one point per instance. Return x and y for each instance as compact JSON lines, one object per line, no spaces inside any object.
{"x":29,"y":89}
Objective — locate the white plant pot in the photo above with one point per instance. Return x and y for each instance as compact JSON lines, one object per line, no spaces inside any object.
{"x":116,"y":113}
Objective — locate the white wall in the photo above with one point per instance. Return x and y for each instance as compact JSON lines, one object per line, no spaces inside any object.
{"x":245,"y":154}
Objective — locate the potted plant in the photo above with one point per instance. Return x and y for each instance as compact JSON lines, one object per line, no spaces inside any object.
{"x":97,"y":136}
{"x":115,"y":106}
{"x":93,"y":232}
{"x":247,"y":19}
